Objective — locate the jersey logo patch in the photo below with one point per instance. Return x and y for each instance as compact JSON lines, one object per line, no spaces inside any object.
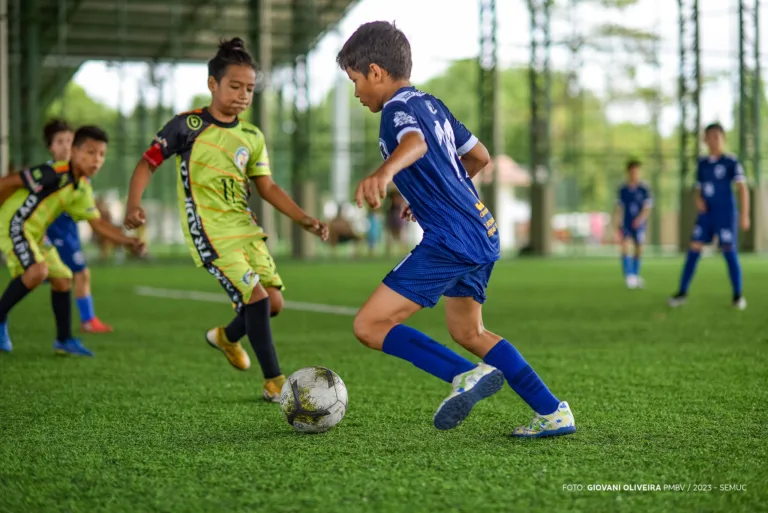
{"x":402,"y":118}
{"x":194,"y":122}
{"x":241,"y":158}
{"x":383,"y":149}
{"x":719,"y":171}
{"x":431,"y":107}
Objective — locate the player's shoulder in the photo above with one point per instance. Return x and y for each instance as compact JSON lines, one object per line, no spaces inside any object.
{"x":644,"y":186}
{"x":404,"y":96}
{"x":187,"y":121}
{"x":730,"y":159}
{"x":250,"y":131}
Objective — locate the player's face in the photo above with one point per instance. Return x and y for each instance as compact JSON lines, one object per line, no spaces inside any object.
{"x":634,"y":174}
{"x":89,"y":157}
{"x":61,"y":145}
{"x":715,"y":140}
{"x":234,"y":93}
{"x":368,"y":89}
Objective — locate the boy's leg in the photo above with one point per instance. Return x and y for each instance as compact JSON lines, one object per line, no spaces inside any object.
{"x":463,"y":314}
{"x":60,"y":278}
{"x":703,"y":233}
{"x":728,"y":239}
{"x":23,"y":282}
{"x":418,"y":281}
{"x":71,"y":252}
{"x":270,"y":280}
{"x":626,"y":260}
{"x":639,"y":240}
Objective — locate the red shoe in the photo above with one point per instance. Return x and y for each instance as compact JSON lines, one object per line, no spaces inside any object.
{"x":95,"y":326}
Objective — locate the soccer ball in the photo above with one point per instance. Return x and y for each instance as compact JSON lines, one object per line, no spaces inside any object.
{"x":313,"y":399}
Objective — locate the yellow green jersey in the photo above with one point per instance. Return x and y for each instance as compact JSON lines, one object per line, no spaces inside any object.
{"x":49,"y":190}
{"x":214,"y":161}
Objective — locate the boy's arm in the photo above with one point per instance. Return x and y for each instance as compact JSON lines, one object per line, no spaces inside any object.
{"x":645,"y":212}
{"x":476,"y":159}
{"x":10,"y":184}
{"x":108,"y":231}
{"x":373,"y":189}
{"x":134,"y":214}
{"x":701,"y":205}
{"x":741,"y":182}
{"x":278,"y":198}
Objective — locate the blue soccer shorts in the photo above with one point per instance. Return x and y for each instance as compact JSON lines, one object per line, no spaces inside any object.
{"x":64,"y":236}
{"x":427,"y":273}
{"x":710,"y":224}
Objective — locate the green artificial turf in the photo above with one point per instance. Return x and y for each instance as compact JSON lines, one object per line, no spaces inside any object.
{"x":158,"y":421}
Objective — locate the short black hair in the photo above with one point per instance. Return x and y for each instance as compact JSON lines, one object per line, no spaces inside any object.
{"x":89,"y":132}
{"x":633,"y":163}
{"x":230,"y":52}
{"x":53,"y":127}
{"x":377,"y":42}
{"x":715,"y":126}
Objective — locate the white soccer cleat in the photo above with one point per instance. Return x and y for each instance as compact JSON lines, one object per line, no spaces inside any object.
{"x":740,"y":304}
{"x":631,"y":281}
{"x":676,"y":301}
{"x":469,"y":388}
{"x":640,"y":283}
{"x":559,"y":423}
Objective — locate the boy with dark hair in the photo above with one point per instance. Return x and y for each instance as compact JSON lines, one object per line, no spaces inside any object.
{"x":718,"y":214}
{"x":35,"y":198}
{"x":431,"y":157}
{"x":633,"y":206}
{"x":217,"y":153}
{"x":63,"y":234}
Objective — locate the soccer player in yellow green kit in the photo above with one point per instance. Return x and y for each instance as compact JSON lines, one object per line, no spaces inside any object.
{"x":216,"y":155}
{"x":33,"y":199}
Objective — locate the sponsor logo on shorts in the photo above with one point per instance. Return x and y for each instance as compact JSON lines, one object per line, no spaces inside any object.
{"x":21,"y":247}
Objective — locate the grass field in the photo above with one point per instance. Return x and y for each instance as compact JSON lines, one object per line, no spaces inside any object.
{"x":158,"y":421}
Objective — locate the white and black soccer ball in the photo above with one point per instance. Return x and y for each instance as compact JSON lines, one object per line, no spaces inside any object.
{"x":313,"y":399}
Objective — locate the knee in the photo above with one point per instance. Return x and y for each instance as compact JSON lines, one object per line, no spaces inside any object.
{"x":61,"y":284}
{"x":276,"y":302}
{"x":465,"y":335}
{"x":695,"y":247}
{"x":84,"y":275}
{"x":35,"y":275}
{"x":364,"y":328}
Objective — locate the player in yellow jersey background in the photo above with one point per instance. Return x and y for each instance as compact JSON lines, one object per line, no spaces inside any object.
{"x":33,"y":199}
{"x":216,"y":154}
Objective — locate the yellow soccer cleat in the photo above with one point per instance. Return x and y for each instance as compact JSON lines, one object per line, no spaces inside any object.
{"x":272,"y":388}
{"x":234,"y":352}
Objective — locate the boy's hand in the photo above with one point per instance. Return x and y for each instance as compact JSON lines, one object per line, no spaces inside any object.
{"x":373,"y":189}
{"x":137,"y":247}
{"x":701,"y":205}
{"x":315,"y":227}
{"x":744,"y":221}
{"x":407,"y":214}
{"x":134,"y":217}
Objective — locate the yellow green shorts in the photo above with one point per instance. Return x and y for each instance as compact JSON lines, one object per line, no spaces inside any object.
{"x":21,"y":256}
{"x":242,"y":269}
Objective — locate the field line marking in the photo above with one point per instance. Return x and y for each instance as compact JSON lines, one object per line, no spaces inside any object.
{"x":218,"y":297}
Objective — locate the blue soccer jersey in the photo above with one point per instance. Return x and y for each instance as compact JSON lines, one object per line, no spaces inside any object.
{"x":437,"y":187}
{"x":715,"y":178}
{"x":632,"y":200}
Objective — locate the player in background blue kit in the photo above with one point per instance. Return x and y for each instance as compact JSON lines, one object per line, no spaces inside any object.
{"x":63,"y":234}
{"x":718,"y":214}
{"x":431,"y":157}
{"x":633,"y":206}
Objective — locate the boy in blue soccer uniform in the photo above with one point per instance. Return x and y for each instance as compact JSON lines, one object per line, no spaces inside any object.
{"x":430,"y":156}
{"x":718,"y":213}
{"x":63,"y":234}
{"x":634,"y":205}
